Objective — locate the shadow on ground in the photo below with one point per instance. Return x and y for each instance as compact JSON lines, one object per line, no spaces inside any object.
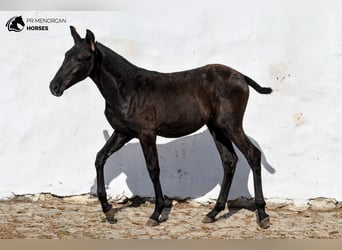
{"x":190,"y":168}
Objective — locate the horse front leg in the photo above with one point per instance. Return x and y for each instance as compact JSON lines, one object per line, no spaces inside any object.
{"x":149,"y":147}
{"x":114,"y":143}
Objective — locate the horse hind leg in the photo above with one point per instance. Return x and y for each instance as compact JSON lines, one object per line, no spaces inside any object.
{"x":229,"y":160}
{"x":253,"y":157}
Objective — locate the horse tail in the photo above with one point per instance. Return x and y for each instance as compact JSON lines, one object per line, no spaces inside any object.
{"x":257,"y":87}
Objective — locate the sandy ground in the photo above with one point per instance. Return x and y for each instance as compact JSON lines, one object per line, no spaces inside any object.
{"x":63,"y":218}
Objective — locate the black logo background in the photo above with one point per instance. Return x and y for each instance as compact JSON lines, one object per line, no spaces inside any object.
{"x":12,"y":24}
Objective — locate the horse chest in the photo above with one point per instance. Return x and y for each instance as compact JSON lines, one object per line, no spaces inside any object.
{"x":120,"y":121}
{"x":117,"y":121}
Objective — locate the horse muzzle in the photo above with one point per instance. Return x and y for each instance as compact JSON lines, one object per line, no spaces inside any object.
{"x":56,"y":89}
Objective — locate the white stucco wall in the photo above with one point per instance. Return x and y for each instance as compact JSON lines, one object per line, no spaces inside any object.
{"x":48,"y":144}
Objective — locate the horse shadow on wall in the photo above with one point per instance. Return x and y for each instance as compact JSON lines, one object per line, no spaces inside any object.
{"x":190,"y":167}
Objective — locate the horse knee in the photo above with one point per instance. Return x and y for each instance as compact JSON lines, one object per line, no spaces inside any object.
{"x":229,"y":165}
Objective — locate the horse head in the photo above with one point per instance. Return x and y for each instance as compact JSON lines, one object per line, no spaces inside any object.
{"x":77,"y":65}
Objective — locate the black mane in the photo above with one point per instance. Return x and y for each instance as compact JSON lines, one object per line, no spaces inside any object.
{"x":116,"y":62}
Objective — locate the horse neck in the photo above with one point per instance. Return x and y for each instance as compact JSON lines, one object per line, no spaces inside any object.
{"x":113,"y":74}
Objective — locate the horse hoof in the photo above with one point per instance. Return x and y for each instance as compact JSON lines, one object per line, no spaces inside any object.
{"x":207,"y":219}
{"x":152,"y":223}
{"x":264,"y":223}
{"x":110,"y":216}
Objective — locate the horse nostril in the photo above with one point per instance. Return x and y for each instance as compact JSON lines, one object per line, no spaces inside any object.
{"x":55,"y":89}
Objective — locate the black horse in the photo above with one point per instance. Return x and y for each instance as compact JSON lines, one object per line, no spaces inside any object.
{"x":12,"y":24}
{"x":143,"y":104}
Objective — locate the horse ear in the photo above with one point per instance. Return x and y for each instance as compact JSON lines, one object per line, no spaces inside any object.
{"x":74,"y":34}
{"x":90,"y":38}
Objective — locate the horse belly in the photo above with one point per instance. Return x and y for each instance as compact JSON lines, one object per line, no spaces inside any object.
{"x":181,"y":121}
{"x":174,"y":131}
